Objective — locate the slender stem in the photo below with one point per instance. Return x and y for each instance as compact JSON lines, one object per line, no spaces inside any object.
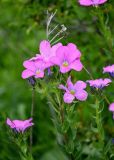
{"x":105,"y":29}
{"x":62,"y":114}
{"x":100,"y":128}
{"x":88,"y":72}
{"x":106,"y":99}
{"x":32,"y":114}
{"x":33,"y":102}
{"x":99,"y":124}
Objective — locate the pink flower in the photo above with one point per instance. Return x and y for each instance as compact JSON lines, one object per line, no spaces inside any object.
{"x":99,"y":83}
{"x":91,"y":2}
{"x":33,"y":68}
{"x":73,"y":91}
{"x":111,"y":108}
{"x":19,"y":125}
{"x":47,"y":52}
{"x":68,"y":58}
{"x":109,"y":69}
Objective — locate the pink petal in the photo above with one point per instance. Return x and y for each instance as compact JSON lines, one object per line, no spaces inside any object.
{"x":68,"y":98}
{"x":40,"y":75}
{"x":90,"y":2}
{"x":74,"y":52}
{"x":76,"y":65}
{"x":81,"y":95}
{"x":27,"y":73}
{"x":62,"y":52}
{"x":27,"y":125}
{"x":54,"y":49}
{"x":64,"y":69}
{"x":107,"y":81}
{"x":79,"y":85}
{"x":69,"y":83}
{"x":63,"y":87}
{"x":29,"y":65}
{"x":39,"y":64}
{"x":55,"y":61}
{"x":108,"y":69}
{"x":10,"y":123}
{"x":45,"y":47}
{"x":111,"y":107}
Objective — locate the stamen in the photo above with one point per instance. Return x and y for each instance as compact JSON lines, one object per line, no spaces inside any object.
{"x":65,"y":64}
{"x":38,"y":71}
{"x":72,"y":91}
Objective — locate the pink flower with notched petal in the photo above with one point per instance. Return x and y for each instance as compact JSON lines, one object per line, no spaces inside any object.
{"x":47,"y":52}
{"x":73,"y":91}
{"x":99,"y":83}
{"x":68,"y":58}
{"x":19,"y":125}
{"x":109,"y":69}
{"x":91,"y":2}
{"x":33,"y":68}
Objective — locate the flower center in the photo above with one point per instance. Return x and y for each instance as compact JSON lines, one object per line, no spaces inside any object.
{"x":65,"y":64}
{"x":38,"y":71}
{"x":72,"y":91}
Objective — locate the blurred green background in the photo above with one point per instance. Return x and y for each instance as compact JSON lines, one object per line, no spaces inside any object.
{"x":22,"y":27}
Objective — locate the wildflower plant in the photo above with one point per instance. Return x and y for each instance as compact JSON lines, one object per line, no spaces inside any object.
{"x":64,"y":97}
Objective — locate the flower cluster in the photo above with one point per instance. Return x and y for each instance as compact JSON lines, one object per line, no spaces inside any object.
{"x":66,"y":57}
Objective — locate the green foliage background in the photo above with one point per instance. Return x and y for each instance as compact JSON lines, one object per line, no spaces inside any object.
{"x":22,"y":27}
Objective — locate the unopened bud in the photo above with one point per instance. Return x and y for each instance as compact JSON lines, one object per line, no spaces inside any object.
{"x":32,"y":81}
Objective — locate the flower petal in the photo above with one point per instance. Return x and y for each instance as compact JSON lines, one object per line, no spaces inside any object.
{"x":68,"y":98}
{"x":64,"y":69}
{"x":40,"y":75}
{"x":28,"y":64}
{"x":111,"y":107}
{"x":45,"y":48}
{"x":27,"y":73}
{"x":62,"y":53}
{"x":76,"y":65}
{"x":81,"y":95}
{"x":90,"y":2}
{"x":10,"y":123}
{"x":62,"y":87}
{"x":54,"y":49}
{"x":79,"y":85}
{"x":74,"y":52}
{"x":69,"y":83}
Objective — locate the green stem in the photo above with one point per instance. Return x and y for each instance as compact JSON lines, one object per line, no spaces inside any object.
{"x":100,"y":128}
{"x":88,"y":72}
{"x":62,"y":114}
{"x":104,"y":29}
{"x":99,"y":123}
{"x":23,"y":149}
{"x":32,"y":114}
